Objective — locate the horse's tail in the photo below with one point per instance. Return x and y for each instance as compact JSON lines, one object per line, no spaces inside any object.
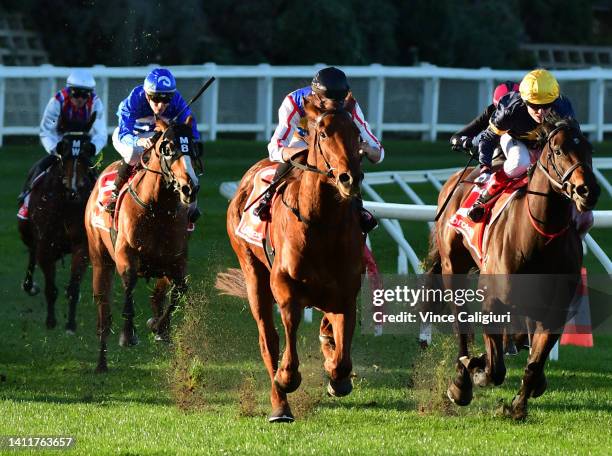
{"x":231,"y":283}
{"x":433,"y":262}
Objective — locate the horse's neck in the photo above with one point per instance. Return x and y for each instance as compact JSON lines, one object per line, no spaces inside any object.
{"x":152,"y":190}
{"x":546,"y":205}
{"x":318,"y":199}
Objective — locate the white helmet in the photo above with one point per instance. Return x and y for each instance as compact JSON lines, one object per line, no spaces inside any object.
{"x":81,"y":79}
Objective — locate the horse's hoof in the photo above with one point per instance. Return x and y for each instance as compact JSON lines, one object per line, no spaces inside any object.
{"x":128,"y":341}
{"x":291,"y":386}
{"x":51,"y":323}
{"x":71,"y":328}
{"x":31,"y":289}
{"x":281,"y":415}
{"x":162,"y":338}
{"x":479,"y":378}
{"x":152,"y":324}
{"x":340,"y":388}
{"x":101,"y":369}
{"x":70,"y":332}
{"x":457,"y":396}
{"x":540,"y":387}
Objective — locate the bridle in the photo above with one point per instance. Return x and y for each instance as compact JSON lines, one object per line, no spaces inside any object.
{"x":318,"y":136}
{"x":563,"y":177}
{"x":167,"y":156}
{"x":559,"y":183}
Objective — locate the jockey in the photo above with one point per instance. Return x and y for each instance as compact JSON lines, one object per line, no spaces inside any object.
{"x":329,"y":90}
{"x":470,"y":135}
{"x":158,"y":96}
{"x":514,"y":125}
{"x":70,"y":109}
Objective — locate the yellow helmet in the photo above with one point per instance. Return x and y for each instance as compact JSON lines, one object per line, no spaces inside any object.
{"x":539,"y":87}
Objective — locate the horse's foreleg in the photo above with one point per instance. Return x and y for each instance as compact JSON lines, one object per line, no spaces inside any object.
{"x":47,"y":266}
{"x":534,"y":380}
{"x":326,"y":337}
{"x":158,"y":298}
{"x":495,"y":370}
{"x":28,"y":285}
{"x":288,"y":377}
{"x":179,"y":289}
{"x":339,"y":366}
{"x":261,"y":302}
{"x":80,"y":257}
{"x":128,"y":335}
{"x":102,"y":286}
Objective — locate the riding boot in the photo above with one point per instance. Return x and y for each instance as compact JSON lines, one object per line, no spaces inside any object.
{"x":497,"y":182}
{"x":367,"y":221}
{"x":123,"y":174}
{"x":38,"y":168}
{"x":263,"y":207}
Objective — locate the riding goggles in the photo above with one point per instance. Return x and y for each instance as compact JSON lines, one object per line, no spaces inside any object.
{"x":80,"y":93}
{"x":161,"y":97}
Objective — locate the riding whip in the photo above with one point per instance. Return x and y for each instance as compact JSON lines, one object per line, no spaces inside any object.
{"x":195,"y":97}
{"x":454,"y":188}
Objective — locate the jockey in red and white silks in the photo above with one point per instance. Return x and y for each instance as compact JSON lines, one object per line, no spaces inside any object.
{"x":291,"y":129}
{"x":70,"y":110}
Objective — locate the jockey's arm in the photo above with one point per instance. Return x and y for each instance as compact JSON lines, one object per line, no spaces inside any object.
{"x":279,"y":147}
{"x":370,"y":146}
{"x":465,"y":136}
{"x":99,"y":136}
{"x":49,"y":136}
{"x":180,"y":106}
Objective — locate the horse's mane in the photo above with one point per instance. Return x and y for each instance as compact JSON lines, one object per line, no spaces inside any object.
{"x":551,"y":122}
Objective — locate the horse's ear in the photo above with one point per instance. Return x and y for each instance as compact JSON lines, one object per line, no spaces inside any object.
{"x":312,"y":112}
{"x":189,"y":120}
{"x":349,"y":103}
{"x":160,"y":124}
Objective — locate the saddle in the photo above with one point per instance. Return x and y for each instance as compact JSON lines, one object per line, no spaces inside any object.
{"x":476,"y":234}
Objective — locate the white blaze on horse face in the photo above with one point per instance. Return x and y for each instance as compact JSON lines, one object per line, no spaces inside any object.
{"x":189,"y":169}
{"x":74,"y":175}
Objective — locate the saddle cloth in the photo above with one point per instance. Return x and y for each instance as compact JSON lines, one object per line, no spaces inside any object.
{"x":476,"y":234}
{"x":106,"y":185}
{"x":251,"y":228}
{"x":23,"y":212}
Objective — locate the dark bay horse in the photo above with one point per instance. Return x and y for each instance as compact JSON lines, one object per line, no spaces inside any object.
{"x":54,"y":226}
{"x":151,"y":236}
{"x":536,"y":234}
{"x":319,"y":256}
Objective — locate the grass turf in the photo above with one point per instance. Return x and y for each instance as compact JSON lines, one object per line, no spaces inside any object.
{"x":47,"y":385}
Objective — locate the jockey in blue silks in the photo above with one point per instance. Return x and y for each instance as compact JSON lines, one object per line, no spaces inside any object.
{"x":159,"y":97}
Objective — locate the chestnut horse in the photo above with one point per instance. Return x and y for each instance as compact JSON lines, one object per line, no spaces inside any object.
{"x":535,"y":234}
{"x":54,"y":226}
{"x":319,"y":256}
{"x":151,"y":236}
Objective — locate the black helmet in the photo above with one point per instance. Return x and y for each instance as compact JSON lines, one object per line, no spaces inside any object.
{"x":331,"y":83}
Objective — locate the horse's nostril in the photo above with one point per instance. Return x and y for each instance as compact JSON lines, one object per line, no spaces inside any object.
{"x":582,"y":191}
{"x":345,"y":179}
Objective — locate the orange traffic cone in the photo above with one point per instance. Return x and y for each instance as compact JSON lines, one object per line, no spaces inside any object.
{"x":578,"y":328}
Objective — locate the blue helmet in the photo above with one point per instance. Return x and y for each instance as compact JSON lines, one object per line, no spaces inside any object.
{"x":160,"y":80}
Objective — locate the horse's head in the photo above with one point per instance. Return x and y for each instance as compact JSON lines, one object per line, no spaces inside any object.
{"x":77,"y":176}
{"x":176,"y":151}
{"x":567,"y":162}
{"x":334,"y":141}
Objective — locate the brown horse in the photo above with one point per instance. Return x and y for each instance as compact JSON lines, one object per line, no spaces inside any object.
{"x":319,"y":256}
{"x":54,"y":226}
{"x":535,"y":235}
{"x":151,"y":236}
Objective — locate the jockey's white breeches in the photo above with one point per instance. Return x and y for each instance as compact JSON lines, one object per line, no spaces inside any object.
{"x":518,"y":157}
{"x":131,"y":154}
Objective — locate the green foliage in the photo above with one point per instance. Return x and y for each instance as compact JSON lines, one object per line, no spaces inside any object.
{"x":558,"y":21}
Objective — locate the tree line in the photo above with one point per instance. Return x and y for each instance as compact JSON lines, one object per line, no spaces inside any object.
{"x":459,"y":33}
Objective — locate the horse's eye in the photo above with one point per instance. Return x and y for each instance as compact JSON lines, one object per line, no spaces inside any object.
{"x":322,"y":134}
{"x":558,"y":151}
